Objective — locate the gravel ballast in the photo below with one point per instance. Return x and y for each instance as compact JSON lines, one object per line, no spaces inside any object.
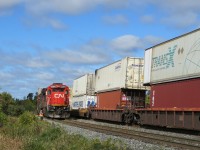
{"x":91,"y":135}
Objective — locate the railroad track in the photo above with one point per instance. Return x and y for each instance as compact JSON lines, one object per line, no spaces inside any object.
{"x":179,"y":142}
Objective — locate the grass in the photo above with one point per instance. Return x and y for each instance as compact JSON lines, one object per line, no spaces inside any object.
{"x":29,"y":133}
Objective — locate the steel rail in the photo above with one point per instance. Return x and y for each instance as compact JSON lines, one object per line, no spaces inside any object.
{"x":168,"y":140}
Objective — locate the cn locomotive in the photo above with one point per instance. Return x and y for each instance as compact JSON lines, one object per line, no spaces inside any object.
{"x":53,"y":101}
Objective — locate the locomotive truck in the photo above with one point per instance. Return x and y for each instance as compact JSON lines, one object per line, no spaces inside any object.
{"x":53,"y":101}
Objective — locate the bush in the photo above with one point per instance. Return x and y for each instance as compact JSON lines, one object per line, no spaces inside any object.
{"x":39,"y":135}
{"x":3,"y":119}
{"x":27,"y":118}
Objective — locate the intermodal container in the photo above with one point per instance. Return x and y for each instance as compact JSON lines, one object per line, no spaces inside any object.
{"x":109,"y":100}
{"x":83,"y":102}
{"x":176,"y":59}
{"x":118,"y":99}
{"x":39,"y":91}
{"x":178,"y":94}
{"x":126,"y":73}
{"x":84,"y":85}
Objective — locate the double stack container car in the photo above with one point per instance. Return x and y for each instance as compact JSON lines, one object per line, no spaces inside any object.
{"x":172,"y":70}
{"x":53,"y":101}
{"x":83,"y":95}
{"x":119,"y":88}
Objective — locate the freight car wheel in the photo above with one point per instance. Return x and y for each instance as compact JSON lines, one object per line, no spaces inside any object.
{"x":67,"y":115}
{"x":128,"y":118}
{"x":88,"y":115}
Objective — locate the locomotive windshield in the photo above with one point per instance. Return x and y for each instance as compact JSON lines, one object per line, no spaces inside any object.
{"x":58,"y":89}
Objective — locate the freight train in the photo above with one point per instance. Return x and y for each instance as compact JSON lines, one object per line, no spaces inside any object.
{"x":161,"y":90}
{"x":53,"y":101}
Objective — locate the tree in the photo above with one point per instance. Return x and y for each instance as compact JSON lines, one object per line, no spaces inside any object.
{"x":30,"y":96}
{"x":6,"y":100}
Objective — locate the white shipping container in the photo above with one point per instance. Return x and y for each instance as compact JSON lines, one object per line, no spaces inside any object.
{"x":39,"y":91}
{"x":83,"y":101}
{"x":173,"y":60}
{"x":126,"y":73}
{"x":84,"y":85}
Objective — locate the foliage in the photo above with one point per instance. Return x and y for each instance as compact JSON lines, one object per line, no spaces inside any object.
{"x":30,"y":96}
{"x":12,"y":107}
{"x":32,"y":134}
{"x":6,"y":100}
{"x":3,"y":119}
{"x":35,"y":134}
{"x":27,"y":118}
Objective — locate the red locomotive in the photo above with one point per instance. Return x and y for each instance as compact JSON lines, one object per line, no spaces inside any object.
{"x":53,"y":101}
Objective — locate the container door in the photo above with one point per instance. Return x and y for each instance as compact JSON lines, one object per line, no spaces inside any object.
{"x":134,"y":77}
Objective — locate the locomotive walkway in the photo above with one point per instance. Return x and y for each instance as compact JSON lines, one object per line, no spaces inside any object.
{"x":174,"y":141}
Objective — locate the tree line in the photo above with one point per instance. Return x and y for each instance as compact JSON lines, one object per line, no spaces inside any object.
{"x":15,"y":107}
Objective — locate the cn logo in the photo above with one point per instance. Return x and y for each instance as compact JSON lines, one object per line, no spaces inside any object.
{"x":59,"y":95}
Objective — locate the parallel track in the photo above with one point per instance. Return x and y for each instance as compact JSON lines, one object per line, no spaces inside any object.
{"x":179,"y":142}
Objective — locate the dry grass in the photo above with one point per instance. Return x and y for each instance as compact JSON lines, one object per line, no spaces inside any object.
{"x":7,"y":143}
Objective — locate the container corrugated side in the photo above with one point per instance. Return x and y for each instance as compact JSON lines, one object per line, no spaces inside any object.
{"x":126,"y":73}
{"x":176,"y":59}
{"x":83,"y":101}
{"x":178,"y":94}
{"x":109,"y":100}
{"x":84,"y":85}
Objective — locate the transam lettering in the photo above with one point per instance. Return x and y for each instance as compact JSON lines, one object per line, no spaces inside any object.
{"x":59,"y":95}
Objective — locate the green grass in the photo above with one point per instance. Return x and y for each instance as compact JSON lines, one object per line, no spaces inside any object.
{"x":29,"y":133}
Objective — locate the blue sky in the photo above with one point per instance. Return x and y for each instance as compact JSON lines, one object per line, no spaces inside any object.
{"x":46,"y":41}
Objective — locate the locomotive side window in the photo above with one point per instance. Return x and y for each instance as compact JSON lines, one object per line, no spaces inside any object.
{"x":48,"y":92}
{"x":66,"y":92}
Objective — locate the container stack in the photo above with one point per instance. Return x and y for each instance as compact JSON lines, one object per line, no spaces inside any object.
{"x":172,"y":69}
{"x":83,"y":95}
{"x":120,"y":84}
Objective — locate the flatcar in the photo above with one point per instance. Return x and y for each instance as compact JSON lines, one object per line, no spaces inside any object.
{"x":53,"y":101}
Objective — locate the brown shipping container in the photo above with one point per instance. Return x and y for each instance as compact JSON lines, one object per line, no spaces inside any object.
{"x":118,"y":99}
{"x":179,"y":94}
{"x":108,"y":100}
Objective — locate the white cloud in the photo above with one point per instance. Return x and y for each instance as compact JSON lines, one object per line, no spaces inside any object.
{"x":172,"y":12}
{"x":116,"y":19}
{"x":178,"y":14}
{"x":37,"y":62}
{"x":44,"y":76}
{"x":182,"y":20}
{"x":39,"y":7}
{"x":129,"y":45}
{"x":5,"y":75}
{"x":9,"y":3}
{"x":77,"y":57}
{"x":147,"y":19}
{"x":149,"y":41}
{"x":125,"y":42}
